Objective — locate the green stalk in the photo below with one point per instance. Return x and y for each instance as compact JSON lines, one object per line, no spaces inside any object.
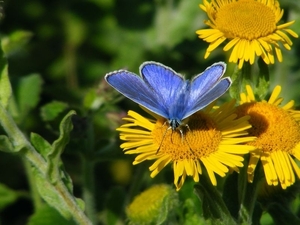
{"x":20,"y":142}
{"x":88,"y":189}
{"x":37,"y":200}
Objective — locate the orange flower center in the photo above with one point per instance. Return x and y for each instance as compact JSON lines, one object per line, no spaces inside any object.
{"x":245,"y":19}
{"x":199,"y":138}
{"x":274,"y":127}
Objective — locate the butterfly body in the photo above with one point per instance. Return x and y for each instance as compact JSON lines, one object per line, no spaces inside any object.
{"x":166,"y":93}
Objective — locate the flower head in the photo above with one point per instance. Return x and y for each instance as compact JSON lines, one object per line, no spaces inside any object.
{"x":153,"y":205}
{"x":213,"y":139}
{"x":278,"y":137}
{"x":250,"y":26}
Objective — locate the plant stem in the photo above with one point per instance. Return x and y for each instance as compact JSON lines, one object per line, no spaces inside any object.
{"x":37,"y":200}
{"x":88,"y":188}
{"x":20,"y":142}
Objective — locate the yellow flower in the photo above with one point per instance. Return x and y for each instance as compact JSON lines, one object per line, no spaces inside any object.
{"x":250,"y":26}
{"x":278,"y":137}
{"x":153,"y":205}
{"x":213,"y":137}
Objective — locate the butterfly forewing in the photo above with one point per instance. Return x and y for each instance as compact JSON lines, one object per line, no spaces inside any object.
{"x":164,"y":81}
{"x":134,"y":88}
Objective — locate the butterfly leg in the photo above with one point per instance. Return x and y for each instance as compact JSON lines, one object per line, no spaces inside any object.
{"x":188,"y":127}
{"x":181,"y":131}
{"x":163,"y":138}
{"x":181,"y":134}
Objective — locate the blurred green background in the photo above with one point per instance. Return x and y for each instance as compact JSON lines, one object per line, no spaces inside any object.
{"x":61,"y":50}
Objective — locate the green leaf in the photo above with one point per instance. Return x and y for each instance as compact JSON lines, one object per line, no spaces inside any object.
{"x":263,"y":82}
{"x":7,"y":196}
{"x":231,"y":194}
{"x":191,"y":215}
{"x":5,"y":86}
{"x":58,"y":146}
{"x":5,"y":144}
{"x":92,"y":100}
{"x":47,"y":215}
{"x":248,"y":191}
{"x":50,"y":194}
{"x":282,"y":215}
{"x":113,"y":208}
{"x":15,"y":41}
{"x":40,"y":144}
{"x":74,"y":27}
{"x":68,"y":182}
{"x":185,"y":17}
{"x":240,"y":78}
{"x":47,"y":185}
{"x":28,"y":93}
{"x":213,"y":206}
{"x":51,"y":110}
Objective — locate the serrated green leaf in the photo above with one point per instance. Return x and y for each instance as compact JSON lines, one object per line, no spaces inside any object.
{"x":47,"y":215}
{"x":7,"y":196}
{"x":51,"y":110}
{"x":5,"y":144}
{"x":47,"y":185}
{"x":5,"y":86}
{"x":28,"y":93}
{"x":58,"y":146}
{"x":40,"y":144}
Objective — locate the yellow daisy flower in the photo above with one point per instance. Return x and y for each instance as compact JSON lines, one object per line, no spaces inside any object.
{"x":213,"y":137}
{"x":278,"y":137}
{"x":250,"y":26}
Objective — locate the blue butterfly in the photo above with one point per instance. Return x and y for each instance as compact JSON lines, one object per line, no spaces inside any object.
{"x":163,"y":91}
